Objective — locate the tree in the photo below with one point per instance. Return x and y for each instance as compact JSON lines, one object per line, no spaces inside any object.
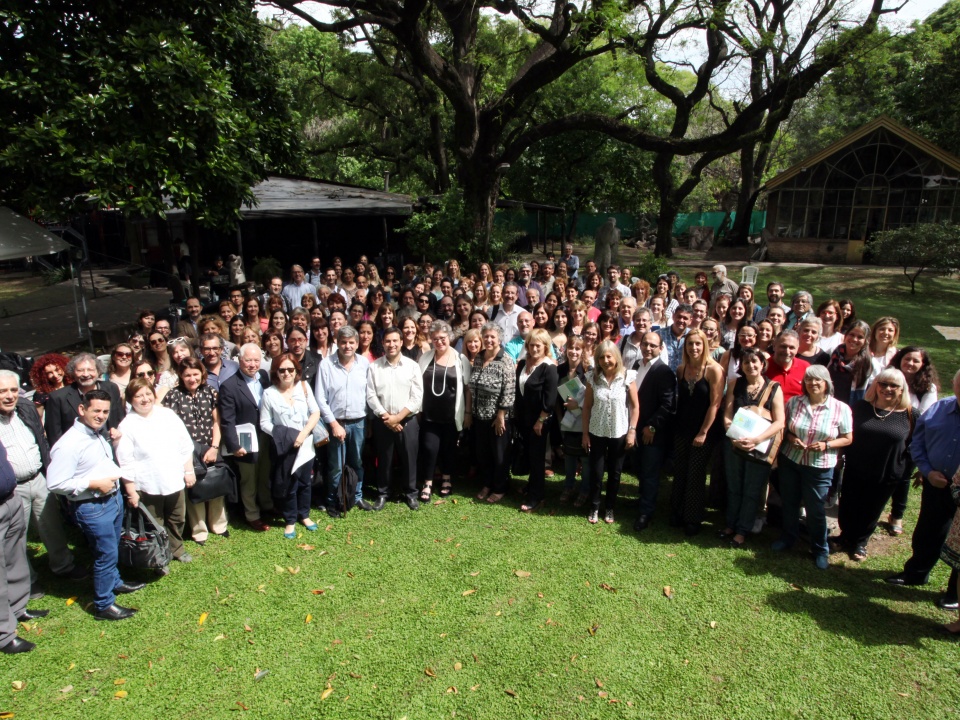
{"x":136,"y":105}
{"x":931,"y":246}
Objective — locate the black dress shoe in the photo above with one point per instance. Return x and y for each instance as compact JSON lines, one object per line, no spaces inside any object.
{"x":947,"y":603}
{"x":334,"y":513}
{"x":379,"y":503}
{"x":641,"y":523}
{"x":901,"y":579}
{"x":77,"y":572}
{"x":364,"y":505}
{"x":412,"y":503}
{"x":125,"y":588}
{"x":17,"y":645}
{"x":114,"y":612}
{"x":32,"y":615}
{"x":224,"y":534}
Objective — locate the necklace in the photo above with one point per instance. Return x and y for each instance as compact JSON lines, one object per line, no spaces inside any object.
{"x":691,"y":384}
{"x":880,"y":417}
{"x":752,"y":394}
{"x":433,"y":380}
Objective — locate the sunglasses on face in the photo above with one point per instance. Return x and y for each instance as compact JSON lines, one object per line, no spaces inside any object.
{"x":123,"y":354}
{"x":148,"y":373}
{"x":888,"y":386}
{"x":286,"y":371}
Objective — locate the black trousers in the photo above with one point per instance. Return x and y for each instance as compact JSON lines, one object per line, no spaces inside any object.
{"x":688,"y":499}
{"x":936,"y":515}
{"x":493,"y":455}
{"x":537,"y":454}
{"x":606,"y":453}
{"x":406,"y":443}
{"x":438,"y":441}
{"x":861,"y":505}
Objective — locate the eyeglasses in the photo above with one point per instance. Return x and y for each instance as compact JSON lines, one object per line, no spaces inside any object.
{"x":888,"y":386}
{"x":286,"y":371}
{"x":148,"y":373}
{"x":123,"y":354}
{"x":158,"y":341}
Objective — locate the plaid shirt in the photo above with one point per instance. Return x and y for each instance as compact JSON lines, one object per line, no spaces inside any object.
{"x":816,"y":423}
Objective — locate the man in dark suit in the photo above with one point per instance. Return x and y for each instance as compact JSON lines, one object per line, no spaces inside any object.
{"x":240,"y":397}
{"x":61,"y":408}
{"x":657,"y":393}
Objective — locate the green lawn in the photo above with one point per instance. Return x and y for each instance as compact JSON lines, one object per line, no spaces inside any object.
{"x":423,"y":615}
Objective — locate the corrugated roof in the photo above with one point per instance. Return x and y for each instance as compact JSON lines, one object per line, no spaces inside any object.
{"x":280,"y":196}
{"x":882,"y":121}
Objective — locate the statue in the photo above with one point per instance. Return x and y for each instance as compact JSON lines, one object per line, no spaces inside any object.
{"x":235,"y":266}
{"x":606,"y":251}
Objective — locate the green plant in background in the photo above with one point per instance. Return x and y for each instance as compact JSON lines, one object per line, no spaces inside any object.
{"x":264,"y":269}
{"x":651,"y":267}
{"x":57,"y":275}
{"x":928,"y":246}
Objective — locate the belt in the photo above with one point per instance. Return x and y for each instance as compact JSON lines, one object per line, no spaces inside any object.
{"x":30,"y":479}
{"x":348,"y":422}
{"x":100,"y":499}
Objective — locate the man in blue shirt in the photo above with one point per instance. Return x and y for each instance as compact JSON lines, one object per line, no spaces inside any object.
{"x":341,"y":390}
{"x":675,"y":335}
{"x":936,"y":451}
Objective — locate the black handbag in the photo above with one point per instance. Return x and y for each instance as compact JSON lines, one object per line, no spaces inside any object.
{"x":218,"y":481}
{"x":348,"y":481}
{"x":144,"y":542}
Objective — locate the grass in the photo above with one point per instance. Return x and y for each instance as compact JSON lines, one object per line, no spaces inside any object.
{"x":588,"y":634}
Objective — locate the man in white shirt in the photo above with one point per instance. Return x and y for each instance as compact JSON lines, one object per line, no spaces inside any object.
{"x":630,"y":346}
{"x":395,"y":395}
{"x":547,"y":281}
{"x":628,"y":306}
{"x":82,"y":469}
{"x":508,"y":312}
{"x":330,"y":281}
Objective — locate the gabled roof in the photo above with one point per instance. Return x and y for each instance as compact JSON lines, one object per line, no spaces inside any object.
{"x":882,"y":121}
{"x":286,"y":196}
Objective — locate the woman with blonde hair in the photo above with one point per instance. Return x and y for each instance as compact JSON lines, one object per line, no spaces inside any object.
{"x":711,"y":329}
{"x":700,"y":389}
{"x":610,"y":415}
{"x":884,"y":334}
{"x":641,"y":292}
{"x":485,"y":276}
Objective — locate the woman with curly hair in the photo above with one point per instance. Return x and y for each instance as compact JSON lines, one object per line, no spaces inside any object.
{"x":49,"y":373}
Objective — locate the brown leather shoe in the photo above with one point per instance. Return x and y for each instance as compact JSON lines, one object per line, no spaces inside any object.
{"x":259,"y":525}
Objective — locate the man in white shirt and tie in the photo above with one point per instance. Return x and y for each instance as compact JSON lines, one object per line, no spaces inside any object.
{"x":508,"y":311}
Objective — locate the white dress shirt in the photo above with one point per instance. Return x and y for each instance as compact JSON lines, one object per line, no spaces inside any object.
{"x":79,"y":456}
{"x":390,"y":388}
{"x":342,"y":393}
{"x":508,"y":322}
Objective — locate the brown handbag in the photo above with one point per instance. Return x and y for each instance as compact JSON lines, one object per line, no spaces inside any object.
{"x":770,"y":455}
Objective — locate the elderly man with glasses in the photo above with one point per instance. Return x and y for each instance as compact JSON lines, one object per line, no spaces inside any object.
{"x":62,"y":406}
{"x":297,"y":287}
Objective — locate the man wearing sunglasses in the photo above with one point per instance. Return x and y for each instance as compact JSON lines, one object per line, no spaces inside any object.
{"x":62,"y":406}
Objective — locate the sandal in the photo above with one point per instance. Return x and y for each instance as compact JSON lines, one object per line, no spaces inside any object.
{"x":426,"y":492}
{"x":445,"y":488}
{"x":482,"y":495}
{"x":859,"y":555}
{"x":896,"y":525}
{"x":532,"y":507}
{"x":495,"y":498}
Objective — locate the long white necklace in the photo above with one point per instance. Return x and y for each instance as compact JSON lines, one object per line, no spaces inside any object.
{"x":433,"y":380}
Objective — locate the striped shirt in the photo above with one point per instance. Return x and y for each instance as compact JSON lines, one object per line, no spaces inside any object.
{"x":816,"y":423}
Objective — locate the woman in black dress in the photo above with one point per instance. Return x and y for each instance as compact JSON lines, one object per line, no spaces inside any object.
{"x":877,"y":460}
{"x":536,"y":397}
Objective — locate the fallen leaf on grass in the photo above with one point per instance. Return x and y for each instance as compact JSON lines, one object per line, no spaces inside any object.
{"x":458,"y":666}
{"x":522,"y":573}
{"x":440,"y":502}
{"x":713,"y":624}
{"x":203,"y":618}
{"x":452,"y":689}
{"x":308,"y":618}
{"x":371,"y":542}
{"x":71,"y":600}
{"x":609,"y":588}
{"x":474,"y":574}
{"x":511,"y":693}
{"x":429,"y":672}
{"x":306,"y":547}
{"x":120,"y":694}
{"x":120,"y":681}
{"x":794,"y":586}
{"x":599,"y":682}
{"x":475,"y":687}
{"x":260,"y":589}
{"x":593,"y":630}
{"x":355,"y":676}
{"x":602,"y":693}
{"x":247,"y":628}
{"x":668,"y":592}
{"x":475,"y":658}
{"x":72,"y":666}
{"x":903,"y":694}
{"x":68,"y":688}
{"x":242,"y":706}
{"x":294,"y":571}
{"x":318,"y":592}
{"x":18,"y":685}
{"x":511,"y":601}
{"x":468,"y":592}
{"x":221,"y":636}
{"x":260,"y":674}
{"x":279,"y":569}
{"x":587,"y":583}
{"x":26,"y":626}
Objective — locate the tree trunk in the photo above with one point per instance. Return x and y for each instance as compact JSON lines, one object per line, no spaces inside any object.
{"x":668,"y":208}
{"x":753,"y":161}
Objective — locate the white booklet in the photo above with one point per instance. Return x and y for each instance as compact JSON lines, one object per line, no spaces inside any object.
{"x":247,"y":437}
{"x":747,"y":424}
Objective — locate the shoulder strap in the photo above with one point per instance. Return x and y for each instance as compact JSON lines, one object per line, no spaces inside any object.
{"x":765,"y":396}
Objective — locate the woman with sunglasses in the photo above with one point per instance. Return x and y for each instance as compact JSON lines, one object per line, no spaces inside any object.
{"x":289,"y":415}
{"x":158,"y":352}
{"x":145,"y":371}
{"x":119,"y":369}
{"x":877,"y":461}
{"x":138,"y":343}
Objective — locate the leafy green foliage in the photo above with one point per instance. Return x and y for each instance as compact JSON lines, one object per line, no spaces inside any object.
{"x":264,"y":269}
{"x":135,"y":104}
{"x":651,"y":267}
{"x":928,"y":246}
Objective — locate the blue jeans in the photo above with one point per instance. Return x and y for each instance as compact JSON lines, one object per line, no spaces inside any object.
{"x":812,"y":485}
{"x":354,"y":446}
{"x":649,"y":461}
{"x":746,"y":489}
{"x":101,"y":521}
{"x":570,"y":469}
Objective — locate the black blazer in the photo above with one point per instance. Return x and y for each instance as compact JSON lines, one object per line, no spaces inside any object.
{"x":238,"y":407}
{"x":61,"y":409}
{"x":658,"y":401}
{"x":539,"y":393}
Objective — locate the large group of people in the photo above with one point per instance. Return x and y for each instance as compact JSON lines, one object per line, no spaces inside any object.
{"x":415,"y":378}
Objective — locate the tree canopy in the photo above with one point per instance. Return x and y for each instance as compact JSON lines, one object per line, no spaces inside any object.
{"x":134,"y":105}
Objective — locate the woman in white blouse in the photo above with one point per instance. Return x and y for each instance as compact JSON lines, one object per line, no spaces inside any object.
{"x":289,"y":408}
{"x":610,"y":415}
{"x":155,"y":453}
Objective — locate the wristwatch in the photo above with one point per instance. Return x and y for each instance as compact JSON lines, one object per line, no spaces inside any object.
{"x":652,"y":429}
